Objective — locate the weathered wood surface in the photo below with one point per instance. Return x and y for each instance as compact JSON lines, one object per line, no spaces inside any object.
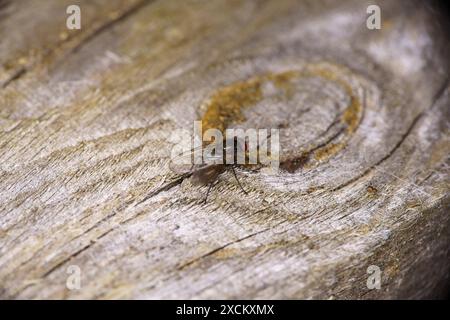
{"x":85,"y":116}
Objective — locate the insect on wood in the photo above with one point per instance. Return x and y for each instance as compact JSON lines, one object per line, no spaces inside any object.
{"x":213,"y":164}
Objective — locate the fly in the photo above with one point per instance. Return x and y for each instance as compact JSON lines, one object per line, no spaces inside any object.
{"x":208,"y":174}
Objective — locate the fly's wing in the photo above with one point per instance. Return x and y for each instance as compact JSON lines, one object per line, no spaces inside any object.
{"x":207,"y":174}
{"x":182,"y":162}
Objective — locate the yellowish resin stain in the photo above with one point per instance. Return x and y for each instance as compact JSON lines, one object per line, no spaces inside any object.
{"x":226,"y":105}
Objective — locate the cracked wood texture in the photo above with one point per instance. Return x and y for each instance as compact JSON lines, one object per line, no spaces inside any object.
{"x":88,"y":119}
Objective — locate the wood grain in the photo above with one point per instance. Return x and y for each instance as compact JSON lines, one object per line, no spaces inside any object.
{"x":88,"y":120}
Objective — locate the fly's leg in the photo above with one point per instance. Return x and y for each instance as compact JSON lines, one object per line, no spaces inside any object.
{"x":209,"y":189}
{"x":235,"y":176}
